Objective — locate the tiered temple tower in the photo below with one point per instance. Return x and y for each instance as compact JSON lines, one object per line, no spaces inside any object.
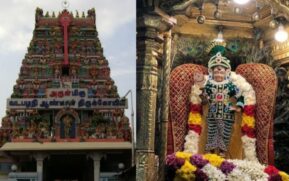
{"x":65,"y":115}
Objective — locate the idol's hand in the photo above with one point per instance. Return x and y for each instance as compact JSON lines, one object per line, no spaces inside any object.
{"x":205,"y":98}
{"x":235,"y":108}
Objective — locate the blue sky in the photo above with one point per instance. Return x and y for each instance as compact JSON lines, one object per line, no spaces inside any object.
{"x":116,"y":25}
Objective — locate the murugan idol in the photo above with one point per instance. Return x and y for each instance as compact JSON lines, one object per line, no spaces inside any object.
{"x":224,"y":99}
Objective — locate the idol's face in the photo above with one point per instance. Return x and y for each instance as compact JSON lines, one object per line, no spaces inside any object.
{"x":219,"y":73}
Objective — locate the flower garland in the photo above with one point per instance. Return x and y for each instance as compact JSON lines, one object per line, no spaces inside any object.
{"x":248,"y":116}
{"x":248,"y":120}
{"x":188,"y":166}
{"x":194,"y":121}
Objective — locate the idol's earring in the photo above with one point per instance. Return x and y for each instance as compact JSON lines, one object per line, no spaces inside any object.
{"x":210,"y":75}
{"x":228,"y":74}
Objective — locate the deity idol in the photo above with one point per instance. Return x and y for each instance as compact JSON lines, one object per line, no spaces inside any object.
{"x":221,"y":94}
{"x":217,"y":127}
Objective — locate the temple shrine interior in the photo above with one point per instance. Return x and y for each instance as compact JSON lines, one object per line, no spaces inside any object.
{"x":176,"y":39}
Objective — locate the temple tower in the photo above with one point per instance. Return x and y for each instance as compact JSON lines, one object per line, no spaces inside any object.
{"x":65,"y":119}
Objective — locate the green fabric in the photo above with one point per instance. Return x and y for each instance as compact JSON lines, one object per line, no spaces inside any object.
{"x":216,"y":49}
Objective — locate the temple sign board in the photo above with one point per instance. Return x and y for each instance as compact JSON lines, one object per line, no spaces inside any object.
{"x":59,"y":103}
{"x":70,"y":98}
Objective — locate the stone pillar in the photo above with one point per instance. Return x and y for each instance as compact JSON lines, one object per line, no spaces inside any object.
{"x":165,"y":101}
{"x":96,"y":157}
{"x":148,"y":46}
{"x":147,"y":77}
{"x":39,"y":165}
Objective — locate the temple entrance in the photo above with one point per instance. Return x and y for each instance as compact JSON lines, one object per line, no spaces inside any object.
{"x":68,"y":167}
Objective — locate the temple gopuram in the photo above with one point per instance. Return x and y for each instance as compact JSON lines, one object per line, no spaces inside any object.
{"x":65,"y":119}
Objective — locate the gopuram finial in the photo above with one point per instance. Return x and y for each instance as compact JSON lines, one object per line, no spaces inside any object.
{"x":65,"y":4}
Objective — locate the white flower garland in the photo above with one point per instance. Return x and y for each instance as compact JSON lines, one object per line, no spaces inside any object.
{"x":249,"y":147}
{"x":191,"y":142}
{"x":213,"y":173}
{"x":245,"y":88}
{"x":247,"y":91}
{"x":253,"y":169}
{"x":238,"y":175}
{"x":244,"y":171}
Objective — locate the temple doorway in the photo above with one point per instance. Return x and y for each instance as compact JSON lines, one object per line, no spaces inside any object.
{"x":68,"y":167}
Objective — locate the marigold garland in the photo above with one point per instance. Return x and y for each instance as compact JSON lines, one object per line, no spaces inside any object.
{"x":248,"y":120}
{"x":187,"y":169}
{"x":214,"y":159}
{"x":284,"y":176}
{"x":183,"y":155}
{"x":195,"y":118}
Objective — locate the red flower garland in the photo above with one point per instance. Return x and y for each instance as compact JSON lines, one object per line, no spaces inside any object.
{"x":249,"y":110}
{"x":271,"y":170}
{"x":196,"y":108}
{"x":250,"y":132}
{"x":196,"y":128}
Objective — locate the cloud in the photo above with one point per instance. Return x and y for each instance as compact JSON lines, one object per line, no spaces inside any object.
{"x":108,"y":27}
{"x":122,"y":72}
{"x":17,"y":18}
